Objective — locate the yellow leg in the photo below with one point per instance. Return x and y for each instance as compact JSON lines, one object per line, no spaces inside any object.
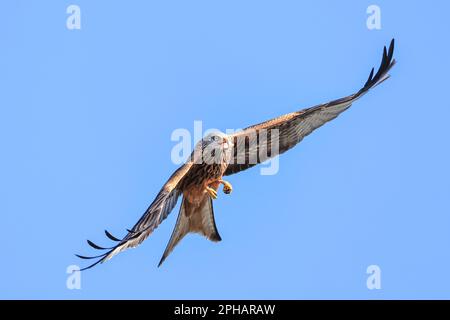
{"x":212,"y":193}
{"x":227,"y":187}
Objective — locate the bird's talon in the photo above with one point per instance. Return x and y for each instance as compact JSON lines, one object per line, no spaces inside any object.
{"x":212,"y":193}
{"x":227,"y":188}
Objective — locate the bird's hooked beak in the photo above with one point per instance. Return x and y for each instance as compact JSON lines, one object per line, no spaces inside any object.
{"x":225,"y":143}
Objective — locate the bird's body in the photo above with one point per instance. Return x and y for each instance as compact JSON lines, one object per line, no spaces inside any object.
{"x":194,"y":192}
{"x":208,"y":163}
{"x":218,"y":155}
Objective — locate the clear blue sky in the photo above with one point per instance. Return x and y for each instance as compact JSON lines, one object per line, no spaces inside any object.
{"x":85,"y":126}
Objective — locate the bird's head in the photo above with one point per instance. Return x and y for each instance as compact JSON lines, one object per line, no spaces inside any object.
{"x":218,"y":139}
{"x":215,"y":147}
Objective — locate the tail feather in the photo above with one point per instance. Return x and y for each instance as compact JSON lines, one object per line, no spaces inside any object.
{"x":196,"y":219}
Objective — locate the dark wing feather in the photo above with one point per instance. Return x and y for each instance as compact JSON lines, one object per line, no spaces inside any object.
{"x":109,"y":235}
{"x":293,"y":127}
{"x":160,"y":208}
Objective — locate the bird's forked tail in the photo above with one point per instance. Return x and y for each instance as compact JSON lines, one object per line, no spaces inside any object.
{"x":193,"y":218}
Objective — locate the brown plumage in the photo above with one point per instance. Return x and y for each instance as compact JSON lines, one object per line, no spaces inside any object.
{"x":219,"y":155}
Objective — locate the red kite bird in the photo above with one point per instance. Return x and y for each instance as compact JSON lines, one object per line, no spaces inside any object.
{"x":218,"y":155}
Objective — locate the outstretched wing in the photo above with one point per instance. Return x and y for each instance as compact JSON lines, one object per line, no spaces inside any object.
{"x":160,"y":208}
{"x":253,"y":145}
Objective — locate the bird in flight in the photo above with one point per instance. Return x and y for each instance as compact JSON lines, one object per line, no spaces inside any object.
{"x":218,"y":155}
